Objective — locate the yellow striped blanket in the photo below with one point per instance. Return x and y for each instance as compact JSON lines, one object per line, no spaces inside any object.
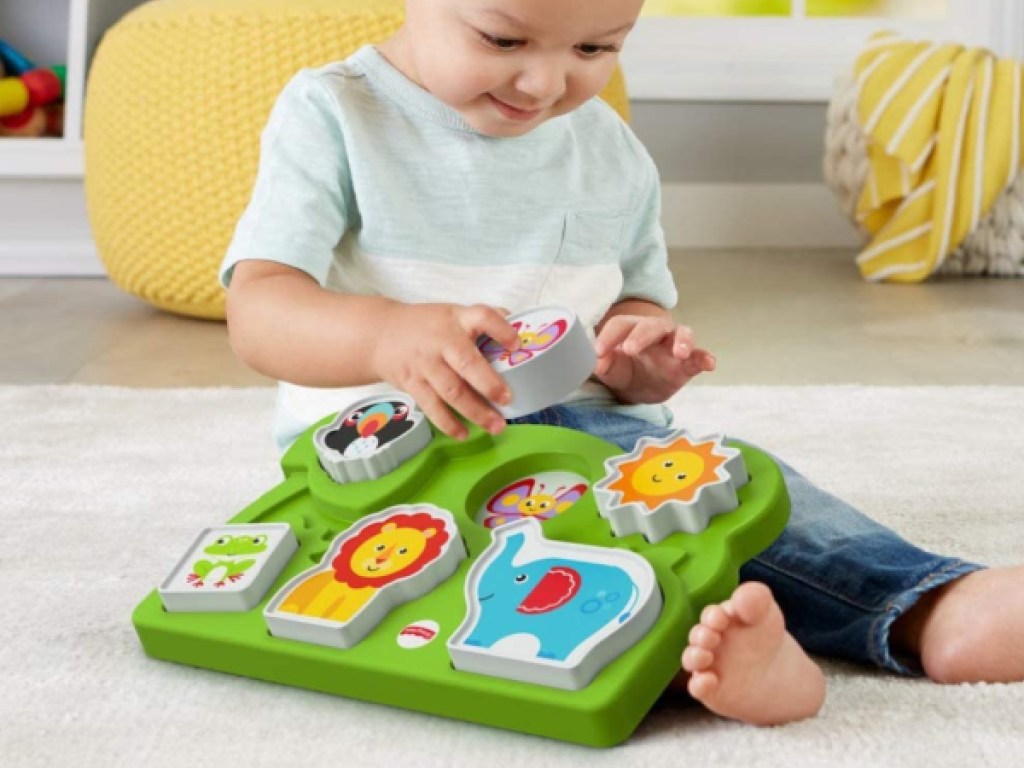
{"x":945,"y":132}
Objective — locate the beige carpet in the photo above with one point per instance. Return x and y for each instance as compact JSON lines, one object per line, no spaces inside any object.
{"x":101,"y":489}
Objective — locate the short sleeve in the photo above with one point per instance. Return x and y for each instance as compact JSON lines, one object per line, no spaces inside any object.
{"x":644,"y":263}
{"x":299,"y":206}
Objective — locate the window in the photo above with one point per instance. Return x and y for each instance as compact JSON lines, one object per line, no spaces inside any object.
{"x":791,"y":50}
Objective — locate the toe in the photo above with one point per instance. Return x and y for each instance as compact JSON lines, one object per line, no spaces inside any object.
{"x":697,"y":659}
{"x":715,"y":617}
{"x":702,"y":685}
{"x":705,"y":637}
{"x":751,"y":602}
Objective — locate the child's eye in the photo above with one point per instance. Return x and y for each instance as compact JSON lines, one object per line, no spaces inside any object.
{"x":592,"y":50}
{"x":501,"y":43}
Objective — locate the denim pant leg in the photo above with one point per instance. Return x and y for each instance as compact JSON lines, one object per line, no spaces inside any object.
{"x":840,"y":578}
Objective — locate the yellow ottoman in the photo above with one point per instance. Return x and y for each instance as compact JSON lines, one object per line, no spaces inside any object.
{"x":178,"y":94}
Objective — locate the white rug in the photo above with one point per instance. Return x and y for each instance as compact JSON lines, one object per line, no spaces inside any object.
{"x":101,"y":489}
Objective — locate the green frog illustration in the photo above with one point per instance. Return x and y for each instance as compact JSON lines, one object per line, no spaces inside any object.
{"x":227,"y":546}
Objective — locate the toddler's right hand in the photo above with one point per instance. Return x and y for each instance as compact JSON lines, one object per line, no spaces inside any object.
{"x":430,"y":352}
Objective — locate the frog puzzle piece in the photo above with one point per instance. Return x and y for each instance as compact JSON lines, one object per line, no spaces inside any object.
{"x":231,"y":570}
{"x":228,"y":568}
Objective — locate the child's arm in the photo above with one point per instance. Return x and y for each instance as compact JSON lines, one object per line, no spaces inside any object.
{"x":643,"y":356}
{"x":284,"y":325}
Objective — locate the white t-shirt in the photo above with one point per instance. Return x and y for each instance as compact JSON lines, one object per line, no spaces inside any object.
{"x":373,"y":186}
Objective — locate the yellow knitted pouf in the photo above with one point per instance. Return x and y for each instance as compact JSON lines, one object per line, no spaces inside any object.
{"x":179,"y":92}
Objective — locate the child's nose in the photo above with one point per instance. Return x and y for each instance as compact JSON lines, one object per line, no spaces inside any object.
{"x":542,"y":80}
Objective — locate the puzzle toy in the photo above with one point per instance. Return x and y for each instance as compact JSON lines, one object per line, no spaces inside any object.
{"x":554,"y":356}
{"x":539,"y":580}
{"x":379,"y":563}
{"x":668,"y":485}
{"x":552,"y":612}
{"x":228,"y":568}
{"x":371,"y":438}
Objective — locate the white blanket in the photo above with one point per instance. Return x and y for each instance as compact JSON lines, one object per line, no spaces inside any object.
{"x":101,"y":489}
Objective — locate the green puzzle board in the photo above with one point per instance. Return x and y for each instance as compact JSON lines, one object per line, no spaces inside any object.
{"x":692,"y":571}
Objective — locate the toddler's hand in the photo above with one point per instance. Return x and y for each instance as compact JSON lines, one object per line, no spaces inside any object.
{"x":429,"y":351}
{"x":647,"y":359}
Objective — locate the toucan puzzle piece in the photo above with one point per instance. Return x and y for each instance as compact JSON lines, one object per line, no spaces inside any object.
{"x":670,"y":484}
{"x":551,"y":612}
{"x":371,"y":438}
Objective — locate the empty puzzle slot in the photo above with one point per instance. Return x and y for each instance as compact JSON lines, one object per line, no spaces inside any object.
{"x":328,"y":535}
{"x":316,"y":557}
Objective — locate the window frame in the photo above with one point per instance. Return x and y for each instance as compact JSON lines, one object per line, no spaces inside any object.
{"x":789,"y":58}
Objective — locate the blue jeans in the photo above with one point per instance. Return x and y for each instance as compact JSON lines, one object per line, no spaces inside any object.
{"x":841,"y":579}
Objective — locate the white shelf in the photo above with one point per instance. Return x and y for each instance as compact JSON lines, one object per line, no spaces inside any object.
{"x":41,"y":158}
{"x":85,"y":24}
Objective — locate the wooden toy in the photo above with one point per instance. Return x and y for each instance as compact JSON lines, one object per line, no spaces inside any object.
{"x":14,"y":96}
{"x":228,"y":568}
{"x":552,"y":613}
{"x":671,"y":484}
{"x":29,"y":123}
{"x":54,"y":119}
{"x":579,"y":651}
{"x":14,"y":61}
{"x":555,"y":356}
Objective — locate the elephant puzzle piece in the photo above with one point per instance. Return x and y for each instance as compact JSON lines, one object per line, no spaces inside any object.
{"x":386,"y":559}
{"x":676,"y":483}
{"x":228,"y":568}
{"x":549,"y":612}
{"x":371,"y":438}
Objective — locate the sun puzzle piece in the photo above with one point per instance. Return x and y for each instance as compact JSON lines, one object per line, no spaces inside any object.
{"x":386,"y":559}
{"x":371,"y":438}
{"x":542,"y":495}
{"x":554,"y":357}
{"x":550,"y":612}
{"x":672,"y":484}
{"x":228,"y":568}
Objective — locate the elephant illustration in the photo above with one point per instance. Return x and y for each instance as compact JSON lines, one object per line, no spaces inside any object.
{"x":563,"y":596}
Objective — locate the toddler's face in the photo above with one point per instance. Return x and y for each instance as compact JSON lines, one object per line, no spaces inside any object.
{"x":509,"y":65}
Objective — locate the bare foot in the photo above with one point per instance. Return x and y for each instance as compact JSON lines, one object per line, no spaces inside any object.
{"x":970,"y":630}
{"x":745,"y":666}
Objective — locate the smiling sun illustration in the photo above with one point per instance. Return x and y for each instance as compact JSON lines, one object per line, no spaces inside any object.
{"x":673,"y":484}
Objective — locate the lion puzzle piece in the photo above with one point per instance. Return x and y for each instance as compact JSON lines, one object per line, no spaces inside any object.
{"x":229,"y":568}
{"x":554,"y":357}
{"x":371,"y":438}
{"x":550,"y":612}
{"x":384,"y":560}
{"x":676,"y":483}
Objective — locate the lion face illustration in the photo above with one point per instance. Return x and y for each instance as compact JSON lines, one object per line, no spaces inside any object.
{"x":390,"y":550}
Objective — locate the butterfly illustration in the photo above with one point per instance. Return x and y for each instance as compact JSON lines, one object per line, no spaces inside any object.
{"x":530,"y":342}
{"x":528,"y":498}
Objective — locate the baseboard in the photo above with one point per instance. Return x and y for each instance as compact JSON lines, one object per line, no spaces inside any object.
{"x":754,"y":216}
{"x":49,"y":258}
{"x":694,"y":216}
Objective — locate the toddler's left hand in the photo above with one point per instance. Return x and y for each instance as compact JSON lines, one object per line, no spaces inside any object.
{"x":647,"y":359}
